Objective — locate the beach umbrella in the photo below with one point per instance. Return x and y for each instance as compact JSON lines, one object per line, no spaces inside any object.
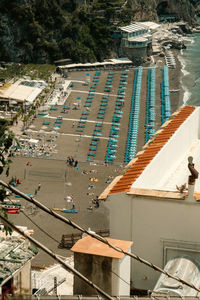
{"x":12,"y":102}
{"x":29,"y":130}
{"x":41,"y":131}
{"x":32,"y":126}
{"x":43,"y":108}
{"x":78,"y":98}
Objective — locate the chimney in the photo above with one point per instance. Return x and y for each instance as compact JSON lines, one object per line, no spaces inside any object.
{"x":191,"y":179}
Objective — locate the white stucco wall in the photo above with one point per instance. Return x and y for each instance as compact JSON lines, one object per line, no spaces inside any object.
{"x":125,"y":273}
{"x":148,"y":223}
{"x":171,"y":154}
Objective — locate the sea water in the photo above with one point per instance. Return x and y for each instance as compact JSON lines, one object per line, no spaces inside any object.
{"x":190,"y":61}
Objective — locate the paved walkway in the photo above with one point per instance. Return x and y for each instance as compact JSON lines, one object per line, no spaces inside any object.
{"x":86,"y":92}
{"x":78,"y":120}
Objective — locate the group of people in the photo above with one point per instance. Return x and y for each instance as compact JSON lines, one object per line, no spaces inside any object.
{"x":71,"y":162}
{"x":14,"y":181}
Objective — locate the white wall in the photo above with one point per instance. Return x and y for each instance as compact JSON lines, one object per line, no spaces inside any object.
{"x":147,"y":222}
{"x":171,"y":154}
{"x":120,"y":216}
{"x":125,"y":273}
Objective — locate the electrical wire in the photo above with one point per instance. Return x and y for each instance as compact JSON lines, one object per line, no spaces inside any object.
{"x":96,"y":236}
{"x":56,"y":257}
{"x":33,"y":222}
{"x":111,"y":271}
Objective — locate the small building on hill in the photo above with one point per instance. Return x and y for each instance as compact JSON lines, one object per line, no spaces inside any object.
{"x":155,"y":203}
{"x":136,"y":40}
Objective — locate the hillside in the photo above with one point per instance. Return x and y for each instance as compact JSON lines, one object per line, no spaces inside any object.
{"x":42,"y":31}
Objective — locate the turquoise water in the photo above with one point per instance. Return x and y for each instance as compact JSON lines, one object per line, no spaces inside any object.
{"x":190,"y":60}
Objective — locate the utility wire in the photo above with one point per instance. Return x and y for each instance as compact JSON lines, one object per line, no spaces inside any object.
{"x":96,"y":236}
{"x":111,"y":271}
{"x":33,"y":222}
{"x":56,"y":257}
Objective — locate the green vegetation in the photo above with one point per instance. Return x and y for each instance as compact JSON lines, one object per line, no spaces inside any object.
{"x":34,"y":71}
{"x":42,"y":31}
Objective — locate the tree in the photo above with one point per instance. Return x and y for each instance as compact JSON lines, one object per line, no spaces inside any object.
{"x":6,"y":140}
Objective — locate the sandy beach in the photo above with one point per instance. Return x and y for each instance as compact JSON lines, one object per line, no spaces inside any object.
{"x":59,"y":180}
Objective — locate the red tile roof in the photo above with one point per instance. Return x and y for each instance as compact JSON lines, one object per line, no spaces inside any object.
{"x":125,"y":182}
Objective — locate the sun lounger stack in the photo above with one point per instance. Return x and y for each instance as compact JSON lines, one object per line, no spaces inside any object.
{"x":96,"y":78}
{"x":93,"y":147}
{"x":165,"y":98}
{"x":82,"y":122}
{"x":117,"y":115}
{"x":131,"y":143}
{"x":65,"y":109}
{"x":92,"y":89}
{"x":89,"y":99}
{"x":53,"y":108}
{"x":150,"y":105}
{"x":103,"y":107}
{"x":109,"y":80}
{"x":46,"y":122}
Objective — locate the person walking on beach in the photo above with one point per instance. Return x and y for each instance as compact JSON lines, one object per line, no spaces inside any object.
{"x":75,"y":163}
{"x":71,"y":161}
{"x":73,"y":205}
{"x":39,"y":186}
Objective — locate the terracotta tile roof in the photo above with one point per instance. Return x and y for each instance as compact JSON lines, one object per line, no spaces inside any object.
{"x":125,"y":182}
{"x":90,"y":245}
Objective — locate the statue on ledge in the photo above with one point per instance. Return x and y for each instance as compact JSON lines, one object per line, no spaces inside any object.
{"x":194,"y":173}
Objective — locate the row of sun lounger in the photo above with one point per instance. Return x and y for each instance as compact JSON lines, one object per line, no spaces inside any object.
{"x":165,"y":96}
{"x":150,"y":105}
{"x":131,"y":144}
{"x":114,"y":131}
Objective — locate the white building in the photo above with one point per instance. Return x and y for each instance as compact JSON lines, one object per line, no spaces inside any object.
{"x":137,"y":36}
{"x":145,"y":205}
{"x":22,"y":91}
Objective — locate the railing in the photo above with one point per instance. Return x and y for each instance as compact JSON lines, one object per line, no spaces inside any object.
{"x":68,"y":240}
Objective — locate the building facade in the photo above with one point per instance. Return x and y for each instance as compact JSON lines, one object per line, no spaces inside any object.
{"x":136,"y":40}
{"x":146,"y":205}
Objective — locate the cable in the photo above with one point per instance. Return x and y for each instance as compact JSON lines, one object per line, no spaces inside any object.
{"x":111,"y":271}
{"x":56,"y":257}
{"x":96,"y":236}
{"x":51,"y":237}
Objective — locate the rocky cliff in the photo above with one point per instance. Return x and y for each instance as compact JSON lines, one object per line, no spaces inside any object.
{"x":42,"y":31}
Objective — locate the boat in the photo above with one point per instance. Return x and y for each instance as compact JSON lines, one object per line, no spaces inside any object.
{"x":10,"y":207}
{"x":69,"y":210}
{"x":174,"y":91}
{"x":12,"y":203}
{"x":29,"y":195}
{"x":66,"y":210}
{"x":16,"y":211}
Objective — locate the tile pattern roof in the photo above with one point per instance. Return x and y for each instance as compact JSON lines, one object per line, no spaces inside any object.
{"x":132,"y":27}
{"x":125,"y":182}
